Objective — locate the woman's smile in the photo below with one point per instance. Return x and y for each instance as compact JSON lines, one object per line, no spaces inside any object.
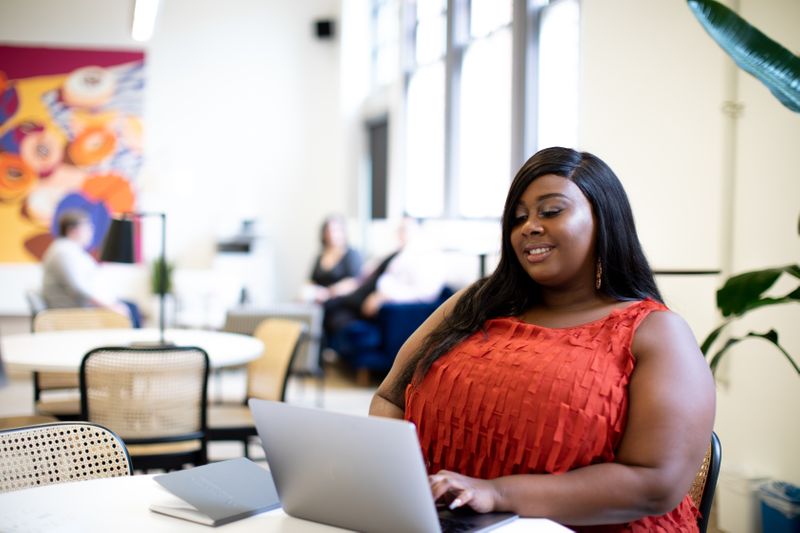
{"x":537,"y":253}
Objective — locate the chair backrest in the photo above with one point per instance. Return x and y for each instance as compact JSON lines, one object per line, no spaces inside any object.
{"x":79,"y":318}
{"x":35,"y":300}
{"x":69,"y":319}
{"x":245,"y":320}
{"x":58,"y":453}
{"x":705,"y":481}
{"x":36,"y":303}
{"x":267,"y":376}
{"x":146,"y":395}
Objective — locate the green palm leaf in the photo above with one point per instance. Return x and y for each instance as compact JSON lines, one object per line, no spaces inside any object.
{"x":772,"y":64}
{"x":711,"y":338}
{"x":771,"y":336}
{"x":743,"y":292}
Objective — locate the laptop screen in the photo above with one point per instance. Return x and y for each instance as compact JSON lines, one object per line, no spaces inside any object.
{"x":361,"y":473}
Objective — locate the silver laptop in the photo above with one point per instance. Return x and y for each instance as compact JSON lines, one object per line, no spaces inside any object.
{"x":360,"y":473}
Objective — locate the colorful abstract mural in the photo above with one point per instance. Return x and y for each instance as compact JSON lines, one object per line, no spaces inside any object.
{"x":70,"y":138}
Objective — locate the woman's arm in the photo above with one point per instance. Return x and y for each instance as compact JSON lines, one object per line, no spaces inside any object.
{"x":352,"y":270}
{"x":353,"y":263}
{"x":389,"y":400}
{"x":343,"y":286}
{"x":670,"y":417}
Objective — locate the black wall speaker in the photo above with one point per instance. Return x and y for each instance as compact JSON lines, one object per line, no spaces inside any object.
{"x":324,"y":28}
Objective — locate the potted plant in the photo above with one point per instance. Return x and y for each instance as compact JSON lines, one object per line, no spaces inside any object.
{"x":161,"y":288}
{"x":156,"y":277}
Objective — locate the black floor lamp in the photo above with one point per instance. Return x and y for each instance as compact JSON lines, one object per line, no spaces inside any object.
{"x":118,"y":247}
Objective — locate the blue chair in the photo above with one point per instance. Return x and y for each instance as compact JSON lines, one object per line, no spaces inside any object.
{"x":372,"y":345}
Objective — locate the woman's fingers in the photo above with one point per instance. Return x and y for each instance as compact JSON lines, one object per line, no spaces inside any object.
{"x":456,"y":491}
{"x":444,"y":482}
{"x":440,"y":484}
{"x":462,"y":499}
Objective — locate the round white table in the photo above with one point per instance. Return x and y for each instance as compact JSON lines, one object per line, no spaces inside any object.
{"x":63,"y":351}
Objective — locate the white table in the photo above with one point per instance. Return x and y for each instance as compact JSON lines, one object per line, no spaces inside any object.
{"x":63,"y":351}
{"x":122,"y":504}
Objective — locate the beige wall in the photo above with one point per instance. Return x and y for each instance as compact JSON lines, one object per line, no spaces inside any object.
{"x":708,"y":191}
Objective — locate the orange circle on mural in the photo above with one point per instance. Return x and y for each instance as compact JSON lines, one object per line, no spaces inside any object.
{"x":42,"y":150}
{"x":16,"y":177}
{"x":111,"y":189}
{"x":92,"y":146}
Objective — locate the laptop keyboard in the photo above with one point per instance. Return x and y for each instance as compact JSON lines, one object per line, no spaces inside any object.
{"x":454,"y":525}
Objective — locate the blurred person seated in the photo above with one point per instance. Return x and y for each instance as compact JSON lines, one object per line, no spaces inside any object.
{"x":338,"y":265}
{"x":70,"y":272}
{"x":413,"y":273}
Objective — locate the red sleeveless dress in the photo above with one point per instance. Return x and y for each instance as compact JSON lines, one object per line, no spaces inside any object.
{"x":526,"y":399}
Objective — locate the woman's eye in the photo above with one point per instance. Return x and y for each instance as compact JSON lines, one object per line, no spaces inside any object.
{"x":518,"y":219}
{"x":550,"y":213}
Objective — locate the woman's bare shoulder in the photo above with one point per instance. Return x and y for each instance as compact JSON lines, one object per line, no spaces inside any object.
{"x":664,"y":330}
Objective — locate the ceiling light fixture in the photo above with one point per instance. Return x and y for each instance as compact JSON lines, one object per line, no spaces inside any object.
{"x":144,"y":19}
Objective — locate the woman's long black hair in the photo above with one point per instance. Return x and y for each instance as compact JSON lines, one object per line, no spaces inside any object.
{"x":510,"y":291}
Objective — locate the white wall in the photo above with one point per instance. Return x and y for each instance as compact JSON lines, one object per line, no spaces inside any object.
{"x":242,"y":119}
{"x":653,"y":89}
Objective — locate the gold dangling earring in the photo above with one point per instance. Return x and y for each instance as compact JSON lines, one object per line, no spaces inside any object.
{"x":598,"y":278}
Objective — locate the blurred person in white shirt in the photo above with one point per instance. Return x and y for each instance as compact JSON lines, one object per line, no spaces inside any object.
{"x":70,"y":272}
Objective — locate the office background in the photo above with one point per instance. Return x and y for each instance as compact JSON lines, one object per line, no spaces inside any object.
{"x":249,"y":115}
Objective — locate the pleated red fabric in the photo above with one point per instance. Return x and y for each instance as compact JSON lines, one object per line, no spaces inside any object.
{"x":519,"y":398}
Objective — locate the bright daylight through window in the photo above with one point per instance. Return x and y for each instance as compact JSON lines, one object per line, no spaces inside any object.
{"x":459,"y":60}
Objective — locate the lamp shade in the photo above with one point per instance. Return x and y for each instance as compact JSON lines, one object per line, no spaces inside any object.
{"x":118,"y":244}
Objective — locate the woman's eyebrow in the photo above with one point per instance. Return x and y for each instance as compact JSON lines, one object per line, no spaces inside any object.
{"x":542,"y":198}
{"x":552,"y":195}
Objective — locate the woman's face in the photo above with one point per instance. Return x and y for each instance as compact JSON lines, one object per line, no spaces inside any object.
{"x":553,"y":233}
{"x":334,"y":233}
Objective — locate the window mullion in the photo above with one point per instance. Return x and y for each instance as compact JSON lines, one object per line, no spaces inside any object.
{"x":525,"y":80}
{"x":457,"y":31}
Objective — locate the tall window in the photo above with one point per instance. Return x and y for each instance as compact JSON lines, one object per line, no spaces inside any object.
{"x":385,"y":41}
{"x":484,"y":114}
{"x":464,"y":118}
{"x":558,"y":74}
{"x":425,"y":118}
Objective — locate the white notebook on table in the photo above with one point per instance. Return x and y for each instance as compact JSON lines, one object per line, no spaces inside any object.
{"x":219,"y":493}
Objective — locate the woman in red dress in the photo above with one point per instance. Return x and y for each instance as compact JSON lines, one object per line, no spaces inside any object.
{"x":560,"y":386}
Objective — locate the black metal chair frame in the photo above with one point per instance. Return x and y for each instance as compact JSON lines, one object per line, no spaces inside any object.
{"x":711,"y":483}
